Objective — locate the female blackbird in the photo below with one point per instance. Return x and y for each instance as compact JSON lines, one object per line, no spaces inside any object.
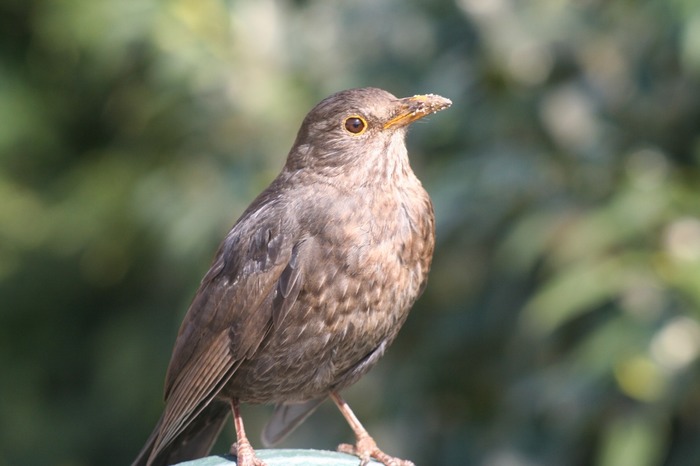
{"x":309,"y":287}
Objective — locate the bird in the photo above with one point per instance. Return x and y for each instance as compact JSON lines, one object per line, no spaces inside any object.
{"x":309,"y":287}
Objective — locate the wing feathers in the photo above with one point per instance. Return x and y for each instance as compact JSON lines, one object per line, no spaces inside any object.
{"x":253,"y":283}
{"x":195,"y":389}
{"x":288,"y":286}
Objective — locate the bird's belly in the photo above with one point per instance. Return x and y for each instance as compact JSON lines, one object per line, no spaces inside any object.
{"x":343,"y":319}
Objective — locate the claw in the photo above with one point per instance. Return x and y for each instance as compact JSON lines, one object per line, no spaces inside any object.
{"x":366,"y":449}
{"x":245,"y":455}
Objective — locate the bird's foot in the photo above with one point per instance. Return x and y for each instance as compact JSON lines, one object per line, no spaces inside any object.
{"x":366,"y":449}
{"x":245,"y":455}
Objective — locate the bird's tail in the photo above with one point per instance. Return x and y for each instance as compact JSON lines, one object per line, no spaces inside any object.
{"x":286,"y":418}
{"x":195,"y":441}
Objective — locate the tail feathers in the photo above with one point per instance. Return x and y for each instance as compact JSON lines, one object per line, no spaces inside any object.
{"x":195,"y":441}
{"x":142,"y":458}
{"x":286,"y":418}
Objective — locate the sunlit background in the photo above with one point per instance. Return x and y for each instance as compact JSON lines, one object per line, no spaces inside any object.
{"x":561,"y":324}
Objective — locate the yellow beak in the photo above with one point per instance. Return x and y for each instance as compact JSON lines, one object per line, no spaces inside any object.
{"x":414,"y":108}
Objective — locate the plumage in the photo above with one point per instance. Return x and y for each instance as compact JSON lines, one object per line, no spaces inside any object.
{"x":312,"y":283}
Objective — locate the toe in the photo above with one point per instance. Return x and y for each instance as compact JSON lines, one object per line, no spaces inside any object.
{"x":366,"y":449}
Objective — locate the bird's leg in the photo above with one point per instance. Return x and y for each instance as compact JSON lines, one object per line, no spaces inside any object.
{"x":242,"y":449}
{"x":365,"y":447}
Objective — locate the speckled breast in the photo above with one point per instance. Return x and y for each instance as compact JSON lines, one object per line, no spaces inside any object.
{"x":366,"y":265}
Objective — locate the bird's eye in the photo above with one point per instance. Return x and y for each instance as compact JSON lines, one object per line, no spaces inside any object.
{"x":355,"y":124}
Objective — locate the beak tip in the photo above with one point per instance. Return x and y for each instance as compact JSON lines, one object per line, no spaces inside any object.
{"x":422,"y":105}
{"x":436,"y":102}
{"x":435,"y":98}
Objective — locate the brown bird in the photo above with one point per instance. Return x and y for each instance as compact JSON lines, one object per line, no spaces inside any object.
{"x":310,"y":286}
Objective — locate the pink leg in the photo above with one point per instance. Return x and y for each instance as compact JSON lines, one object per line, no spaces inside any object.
{"x":365,"y":447}
{"x":242,"y":449}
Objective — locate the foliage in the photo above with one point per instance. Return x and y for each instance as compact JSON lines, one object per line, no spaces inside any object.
{"x":561,"y":324}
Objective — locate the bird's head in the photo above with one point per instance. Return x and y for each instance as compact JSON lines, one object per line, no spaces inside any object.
{"x":359,"y":128}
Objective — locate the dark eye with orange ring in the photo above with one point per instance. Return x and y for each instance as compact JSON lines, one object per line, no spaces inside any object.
{"x":355,"y":124}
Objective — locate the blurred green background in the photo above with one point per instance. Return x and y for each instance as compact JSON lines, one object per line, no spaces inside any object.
{"x":561,"y":324}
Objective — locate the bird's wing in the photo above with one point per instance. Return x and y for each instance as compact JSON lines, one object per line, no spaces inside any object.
{"x":252,"y":283}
